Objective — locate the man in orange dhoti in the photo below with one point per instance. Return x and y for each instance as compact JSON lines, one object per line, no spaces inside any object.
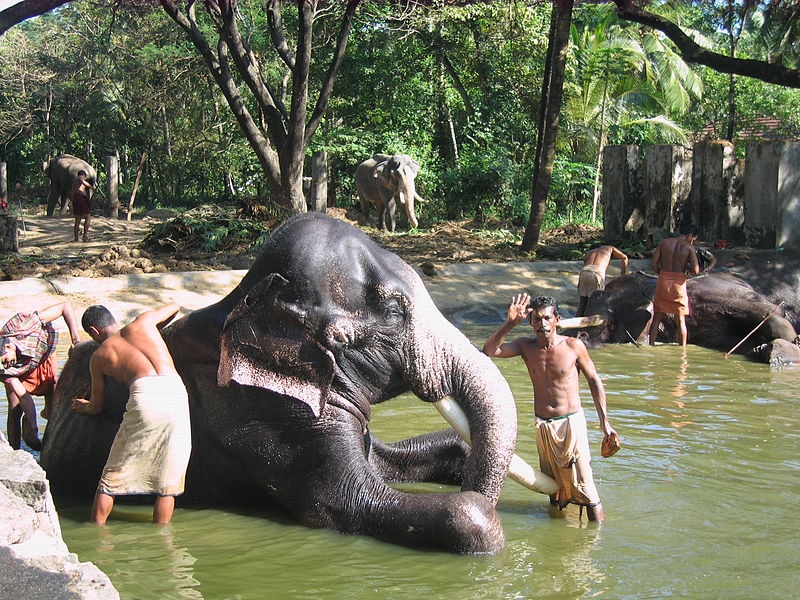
{"x":671,"y":260}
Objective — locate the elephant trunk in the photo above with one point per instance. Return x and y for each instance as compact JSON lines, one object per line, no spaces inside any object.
{"x":445,"y":363}
{"x":489,"y":406}
{"x":407,"y":193}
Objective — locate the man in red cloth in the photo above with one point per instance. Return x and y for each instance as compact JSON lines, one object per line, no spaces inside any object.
{"x":672,"y":260}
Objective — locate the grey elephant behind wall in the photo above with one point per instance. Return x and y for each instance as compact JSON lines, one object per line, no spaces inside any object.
{"x":385,"y":180}
{"x":62,"y":172}
{"x":282,"y":374}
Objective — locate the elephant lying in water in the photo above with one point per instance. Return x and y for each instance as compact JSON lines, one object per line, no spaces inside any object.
{"x":725,"y":309}
{"x":281,"y":376}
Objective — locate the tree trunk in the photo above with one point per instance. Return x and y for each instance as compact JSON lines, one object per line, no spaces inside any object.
{"x":552,"y":92}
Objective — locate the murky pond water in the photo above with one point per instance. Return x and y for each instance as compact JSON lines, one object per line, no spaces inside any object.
{"x":701,"y":502}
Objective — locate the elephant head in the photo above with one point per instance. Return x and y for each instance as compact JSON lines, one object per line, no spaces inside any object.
{"x":384,"y":180}
{"x":282,"y":374}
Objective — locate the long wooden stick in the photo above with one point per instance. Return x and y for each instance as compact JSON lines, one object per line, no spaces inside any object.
{"x":764,"y":320}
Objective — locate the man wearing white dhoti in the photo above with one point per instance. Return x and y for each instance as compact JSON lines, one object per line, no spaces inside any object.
{"x":151,"y":450}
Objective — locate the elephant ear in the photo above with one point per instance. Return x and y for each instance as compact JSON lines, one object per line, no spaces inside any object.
{"x":262,"y":345}
{"x":380,"y":171}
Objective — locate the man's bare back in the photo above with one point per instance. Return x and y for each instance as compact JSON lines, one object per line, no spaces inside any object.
{"x":676,"y":255}
{"x":602,"y":256}
{"x":134,"y":351}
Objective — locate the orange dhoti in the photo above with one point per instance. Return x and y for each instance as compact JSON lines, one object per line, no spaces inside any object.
{"x":671,"y":296}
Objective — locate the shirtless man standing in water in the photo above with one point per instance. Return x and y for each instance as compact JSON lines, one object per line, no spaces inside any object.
{"x":554,"y":362}
{"x":672,"y":260}
{"x":151,"y":450}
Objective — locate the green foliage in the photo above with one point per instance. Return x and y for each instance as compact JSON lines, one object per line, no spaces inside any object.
{"x":457,"y":88}
{"x":207,"y":229}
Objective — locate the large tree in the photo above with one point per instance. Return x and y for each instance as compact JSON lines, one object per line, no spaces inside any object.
{"x":552,"y":92}
{"x":279,"y":129}
{"x":19,"y":12}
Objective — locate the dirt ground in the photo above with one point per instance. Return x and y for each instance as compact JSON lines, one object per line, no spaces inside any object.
{"x":46,"y":247}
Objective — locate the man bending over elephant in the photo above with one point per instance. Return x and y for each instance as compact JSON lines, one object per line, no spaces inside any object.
{"x":28,"y":342}
{"x":150,"y":452}
{"x":593,"y":274}
{"x":553,"y":362}
{"x":672,"y":259}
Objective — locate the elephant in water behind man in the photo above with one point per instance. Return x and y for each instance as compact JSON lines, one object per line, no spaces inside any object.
{"x":281,"y":376}
{"x":727,"y":312}
{"x":62,"y":172}
{"x":383,"y":181}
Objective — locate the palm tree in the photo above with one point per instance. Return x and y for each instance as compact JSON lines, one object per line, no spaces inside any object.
{"x":626,"y":78}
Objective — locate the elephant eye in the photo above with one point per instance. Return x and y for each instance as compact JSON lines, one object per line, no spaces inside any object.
{"x":392,"y":311}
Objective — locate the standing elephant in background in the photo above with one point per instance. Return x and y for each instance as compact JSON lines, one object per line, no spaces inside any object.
{"x":383,"y":180}
{"x":281,"y":375}
{"x":63,"y":171}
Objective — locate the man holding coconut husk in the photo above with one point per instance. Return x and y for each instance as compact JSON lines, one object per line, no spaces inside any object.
{"x":554,"y":362}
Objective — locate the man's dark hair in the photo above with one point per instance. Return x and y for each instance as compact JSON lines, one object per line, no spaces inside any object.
{"x":688,"y":229}
{"x":543,"y":302}
{"x":97,"y":316}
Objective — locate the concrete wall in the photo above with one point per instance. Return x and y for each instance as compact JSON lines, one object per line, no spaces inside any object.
{"x":772,"y":195}
{"x":622,"y":198}
{"x":35,"y":563}
{"x":715,"y":205}
{"x":652,"y":190}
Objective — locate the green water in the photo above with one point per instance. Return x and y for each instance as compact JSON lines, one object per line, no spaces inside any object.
{"x":701,"y":502}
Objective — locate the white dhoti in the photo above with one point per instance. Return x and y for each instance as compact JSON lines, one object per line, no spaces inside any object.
{"x":151,"y":450}
{"x":591,"y":279}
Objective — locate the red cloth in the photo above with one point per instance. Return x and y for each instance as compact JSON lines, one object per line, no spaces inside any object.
{"x":42,"y":380}
{"x":34,"y":340}
{"x":81,"y":204}
{"x":671,"y":297}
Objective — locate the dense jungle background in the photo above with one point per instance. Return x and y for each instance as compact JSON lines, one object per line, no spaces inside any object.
{"x":208,"y":100}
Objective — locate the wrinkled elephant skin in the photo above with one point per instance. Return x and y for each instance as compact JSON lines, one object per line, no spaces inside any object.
{"x":62,"y":172}
{"x":281,"y":376}
{"x":725,"y":309}
{"x":385,"y":180}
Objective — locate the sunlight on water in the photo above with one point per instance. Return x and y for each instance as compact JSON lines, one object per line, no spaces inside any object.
{"x":700,"y":503}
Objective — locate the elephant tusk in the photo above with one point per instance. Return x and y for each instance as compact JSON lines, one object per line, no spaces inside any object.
{"x":519,"y":470}
{"x":576,"y":322}
{"x":418,"y":198}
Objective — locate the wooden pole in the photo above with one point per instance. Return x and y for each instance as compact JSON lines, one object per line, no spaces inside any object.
{"x":112,"y":172}
{"x":764,"y":320}
{"x":136,"y":185}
